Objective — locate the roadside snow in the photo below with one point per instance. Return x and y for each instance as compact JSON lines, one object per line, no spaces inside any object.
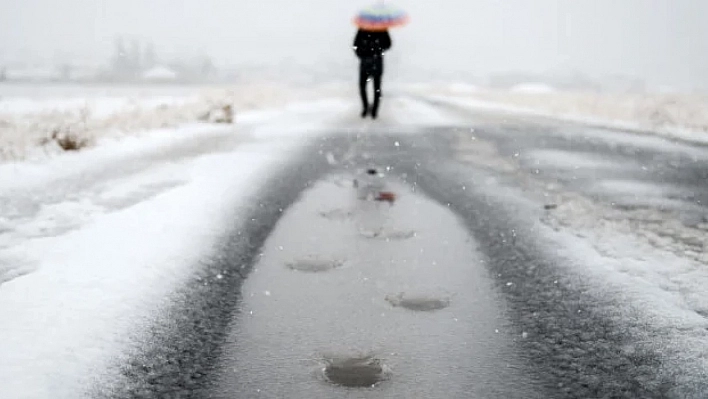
{"x":31,"y":116}
{"x":675,"y":116}
{"x":655,"y":268}
{"x":649,"y":259}
{"x":91,"y":243}
{"x":655,"y":284}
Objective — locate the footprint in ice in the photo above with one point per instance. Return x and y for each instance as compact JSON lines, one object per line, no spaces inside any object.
{"x":337,"y":214}
{"x":355,"y":372}
{"x":389,"y":235}
{"x":418,"y":303}
{"x":315,"y":265}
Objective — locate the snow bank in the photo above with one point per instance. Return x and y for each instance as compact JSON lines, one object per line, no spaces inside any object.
{"x":33,"y":124}
{"x":89,"y":291}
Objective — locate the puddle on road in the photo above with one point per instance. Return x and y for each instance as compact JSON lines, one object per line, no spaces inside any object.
{"x":315,"y":265}
{"x":328,"y":288}
{"x":355,"y":372}
{"x":418,"y":303}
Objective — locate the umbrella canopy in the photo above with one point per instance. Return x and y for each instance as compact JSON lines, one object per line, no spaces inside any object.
{"x":380,"y":17}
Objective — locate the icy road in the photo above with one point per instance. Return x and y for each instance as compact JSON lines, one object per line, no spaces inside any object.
{"x":515,"y":258}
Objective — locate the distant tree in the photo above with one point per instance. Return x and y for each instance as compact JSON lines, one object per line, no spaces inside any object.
{"x":149,"y":56}
{"x":65,"y":71}
{"x":207,"y":67}
{"x":119,"y":61}
{"x":3,"y":74}
{"x":135,"y":57}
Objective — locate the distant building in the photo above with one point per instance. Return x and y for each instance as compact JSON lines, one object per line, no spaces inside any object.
{"x":160,"y":73}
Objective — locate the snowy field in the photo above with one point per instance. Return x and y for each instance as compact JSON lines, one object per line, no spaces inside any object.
{"x":680,"y":116}
{"x":33,"y":118}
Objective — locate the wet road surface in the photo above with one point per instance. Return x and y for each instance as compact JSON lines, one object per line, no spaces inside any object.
{"x":452,"y":291}
{"x":406,"y":287}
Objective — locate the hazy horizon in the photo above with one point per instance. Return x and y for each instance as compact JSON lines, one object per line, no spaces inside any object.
{"x":664,"y":42}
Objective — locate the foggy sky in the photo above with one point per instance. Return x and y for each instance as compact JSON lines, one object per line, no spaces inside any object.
{"x":663,"y":41}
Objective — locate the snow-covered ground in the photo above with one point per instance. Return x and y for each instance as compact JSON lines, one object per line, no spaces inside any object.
{"x":680,"y":116}
{"x":90,"y":241}
{"x":31,"y":115}
{"x":645,"y":259}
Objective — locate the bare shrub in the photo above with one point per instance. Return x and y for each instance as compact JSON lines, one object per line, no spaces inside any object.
{"x":66,"y":140}
{"x":218,"y":114}
{"x":227,"y":115}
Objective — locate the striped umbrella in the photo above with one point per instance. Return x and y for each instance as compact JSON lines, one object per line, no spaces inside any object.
{"x":380,"y":17}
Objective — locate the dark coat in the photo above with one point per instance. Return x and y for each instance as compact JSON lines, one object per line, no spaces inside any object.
{"x":369,"y":44}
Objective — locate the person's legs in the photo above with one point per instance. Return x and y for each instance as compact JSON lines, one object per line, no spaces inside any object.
{"x":377,"y":95}
{"x":363,"y":77}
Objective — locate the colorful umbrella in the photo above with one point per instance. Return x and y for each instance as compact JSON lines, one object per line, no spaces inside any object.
{"x":380,"y":17}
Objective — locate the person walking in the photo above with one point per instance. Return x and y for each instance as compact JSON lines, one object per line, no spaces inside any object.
{"x":370,"y":47}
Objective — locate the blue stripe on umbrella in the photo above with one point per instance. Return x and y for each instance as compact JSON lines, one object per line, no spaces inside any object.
{"x":381,"y":12}
{"x":381,"y":15}
{"x":372,"y":19}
